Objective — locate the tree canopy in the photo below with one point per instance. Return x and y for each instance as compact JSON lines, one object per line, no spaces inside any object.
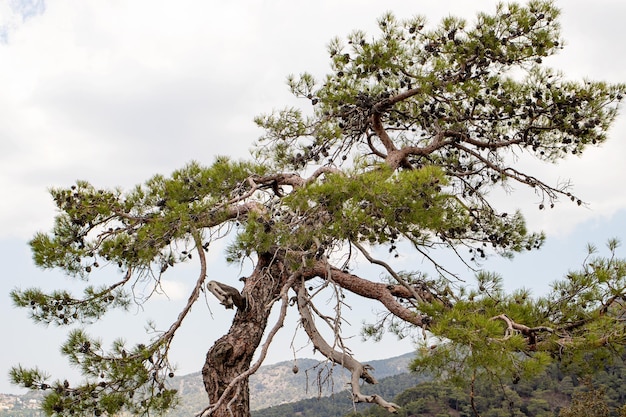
{"x":396,"y":150}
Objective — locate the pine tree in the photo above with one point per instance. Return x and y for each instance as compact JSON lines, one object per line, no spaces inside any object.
{"x":396,"y":150}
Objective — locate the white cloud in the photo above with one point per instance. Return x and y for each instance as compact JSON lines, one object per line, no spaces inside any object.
{"x":114,"y":92}
{"x":173,"y":290}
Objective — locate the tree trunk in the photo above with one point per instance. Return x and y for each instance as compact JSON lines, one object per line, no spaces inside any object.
{"x":232,"y":354}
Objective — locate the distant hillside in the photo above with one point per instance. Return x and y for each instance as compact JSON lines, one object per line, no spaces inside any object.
{"x":544,"y":396}
{"x":277,"y":384}
{"x":340,"y":403}
{"x":26,"y":405}
{"x":272,"y":385}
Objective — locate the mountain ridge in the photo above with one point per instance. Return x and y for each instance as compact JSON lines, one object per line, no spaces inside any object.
{"x":277,"y":383}
{"x":271,"y":385}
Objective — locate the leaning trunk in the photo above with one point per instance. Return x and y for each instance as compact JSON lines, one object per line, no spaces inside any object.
{"x":232,"y":354}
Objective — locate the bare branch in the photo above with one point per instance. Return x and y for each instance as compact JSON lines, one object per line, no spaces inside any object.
{"x":513,"y":327}
{"x":193,"y":297}
{"x":358,"y":370}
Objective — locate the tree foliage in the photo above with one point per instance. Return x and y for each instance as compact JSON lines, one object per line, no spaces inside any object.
{"x":398,"y":151}
{"x":557,"y":392}
{"x":579,"y":323}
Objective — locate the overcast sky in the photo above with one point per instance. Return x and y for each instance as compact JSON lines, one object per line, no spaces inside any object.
{"x":114,"y":92}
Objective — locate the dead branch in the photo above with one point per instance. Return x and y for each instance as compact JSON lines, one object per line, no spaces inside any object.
{"x":195,"y":293}
{"x":358,"y":371}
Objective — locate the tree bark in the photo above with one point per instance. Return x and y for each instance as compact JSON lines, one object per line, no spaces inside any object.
{"x":232,"y":354}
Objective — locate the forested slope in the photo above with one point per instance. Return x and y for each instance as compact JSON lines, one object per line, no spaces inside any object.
{"x":545,"y":396}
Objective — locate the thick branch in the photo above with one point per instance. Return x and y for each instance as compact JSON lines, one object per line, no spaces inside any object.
{"x":383,"y":105}
{"x":393,"y":273}
{"x":395,"y":157}
{"x":373,"y":148}
{"x":513,"y":327}
{"x":379,"y":129}
{"x":384,"y":293}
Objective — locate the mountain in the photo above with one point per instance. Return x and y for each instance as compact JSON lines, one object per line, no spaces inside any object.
{"x":549,"y":394}
{"x":340,"y":403}
{"x":272,"y":385}
{"x":277,"y":384}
